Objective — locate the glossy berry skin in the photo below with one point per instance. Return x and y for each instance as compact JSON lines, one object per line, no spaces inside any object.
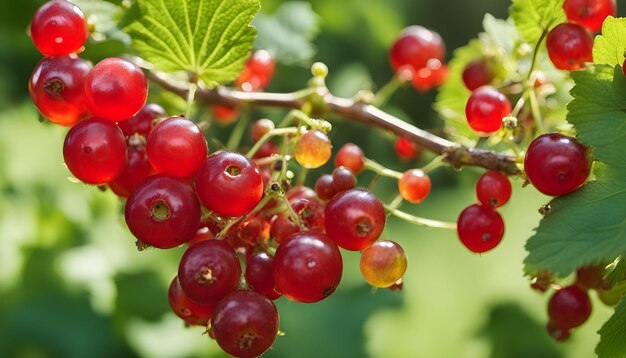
{"x":208,"y":271}
{"x":260,"y":274}
{"x":58,"y":28}
{"x":142,"y":122}
{"x":343,"y":179}
{"x":414,"y":47}
{"x":480,"y":228}
{"x":414,"y":185}
{"x":192,"y":313}
{"x":485,"y":109}
{"x":589,"y":13}
{"x":569,"y":307}
{"x":383,"y":263}
{"x":260,"y":128}
{"x":354,"y":219}
{"x":556,"y":164}
{"x":569,"y":46}
{"x":477,"y":74}
{"x":57,"y":89}
{"x":324,"y":187}
{"x":282,"y":227}
{"x":307,"y":267}
{"x":406,"y":150}
{"x":431,"y":76}
{"x":95,"y":151}
{"x":115,"y":89}
{"x":163,"y":211}
{"x":257,"y":73}
{"x":176,"y":146}
{"x":137,"y":168}
{"x":350,"y":156}
{"x":313,"y":149}
{"x":493,"y":189}
{"x":245,"y":324}
{"x":229,"y":184}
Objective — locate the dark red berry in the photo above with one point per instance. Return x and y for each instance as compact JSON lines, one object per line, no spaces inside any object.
{"x":142,"y":122}
{"x":260,"y":274}
{"x":95,"y":151}
{"x":589,"y":13}
{"x":493,"y":189}
{"x":354,"y":219}
{"x":559,"y":334}
{"x":590,"y":277}
{"x":343,"y":179}
{"x":58,"y":28}
{"x":477,"y":74}
{"x":260,"y":128}
{"x":569,"y":307}
{"x":310,"y":211}
{"x":350,"y":156}
{"x":115,"y":89}
{"x":556,"y":164}
{"x":137,"y":168}
{"x":569,"y":46}
{"x":163,"y":211}
{"x":57,"y":89}
{"x":480,"y":228}
{"x":414,"y":47}
{"x":208,"y":271}
{"x":191,"y":312}
{"x":485,"y":109}
{"x":282,"y":227}
{"x":245,"y":324}
{"x":324,"y":187}
{"x":307,"y":267}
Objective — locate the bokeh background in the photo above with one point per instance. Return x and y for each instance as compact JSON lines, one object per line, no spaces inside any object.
{"x":73,"y":285}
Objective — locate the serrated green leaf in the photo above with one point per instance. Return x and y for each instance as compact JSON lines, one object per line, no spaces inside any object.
{"x":101,"y":17}
{"x":211,"y":39}
{"x":613,"y":334}
{"x":610,"y":46}
{"x":618,"y":272}
{"x":533,"y":17}
{"x":502,"y":32}
{"x":288,"y":32}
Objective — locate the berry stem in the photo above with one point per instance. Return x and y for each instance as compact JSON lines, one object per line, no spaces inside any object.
{"x":419,"y":220}
{"x":534,"y":107}
{"x":268,"y":135}
{"x":231,"y":223}
{"x":237,"y":134}
{"x":434,"y":164}
{"x":292,"y":214}
{"x":536,"y":51}
{"x":191,"y":96}
{"x":385,"y":92}
{"x":381,"y":170}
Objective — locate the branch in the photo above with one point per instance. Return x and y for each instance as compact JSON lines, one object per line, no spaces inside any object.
{"x":457,"y":155}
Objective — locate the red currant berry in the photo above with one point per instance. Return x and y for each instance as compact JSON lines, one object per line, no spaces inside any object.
{"x":208,"y":271}
{"x":245,"y":324}
{"x":414,"y":47}
{"x":431,"y":76}
{"x":115,"y":89}
{"x":58,"y":28}
{"x":354,"y":219}
{"x":282,"y":227}
{"x":590,"y":278}
{"x":493,"y":189}
{"x":307,"y":267}
{"x":569,"y":46}
{"x":406,"y":150}
{"x":324,"y":187}
{"x":260,"y":128}
{"x":192,"y":313}
{"x":163,"y":212}
{"x":260,"y":274}
{"x":176,"y":146}
{"x":311,"y":212}
{"x":477,"y":74}
{"x":556,"y":164}
{"x":225,"y":115}
{"x":383,"y":263}
{"x":343,"y":179}
{"x":414,"y":185}
{"x":559,"y":334}
{"x":57,"y":89}
{"x":350,"y":156}
{"x":569,"y":307}
{"x":137,"y":168}
{"x":480,"y":228}
{"x":229,"y":184}
{"x":142,"y":122}
{"x":203,"y":234}
{"x":257,"y":73}
{"x":95,"y":151}
{"x":485,"y":109}
{"x":589,"y":13}
{"x":313,"y":149}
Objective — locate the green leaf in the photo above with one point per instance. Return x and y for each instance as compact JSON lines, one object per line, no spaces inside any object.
{"x":211,"y":39}
{"x":101,"y":16}
{"x":534,"y":17}
{"x":502,"y":32}
{"x":610,"y":46}
{"x":612,"y":337}
{"x":287,"y":33}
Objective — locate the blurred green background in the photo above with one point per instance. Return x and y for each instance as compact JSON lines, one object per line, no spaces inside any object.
{"x":73,"y":285}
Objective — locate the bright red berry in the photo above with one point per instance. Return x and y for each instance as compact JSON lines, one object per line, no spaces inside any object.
{"x":191,"y":312}
{"x":589,"y":13}
{"x":57,"y":89}
{"x":142,"y":122}
{"x":406,"y":150}
{"x":116,"y":89}
{"x":480,"y":228}
{"x":95,"y":151}
{"x":414,"y":185}
{"x":324,"y":187}
{"x":569,"y":46}
{"x":350,"y":156}
{"x":229,"y":184}
{"x":414,"y":47}
{"x":163,"y":211}
{"x":556,"y":164}
{"x":257,"y":73}
{"x":260,"y":128}
{"x":493,"y":189}
{"x":431,"y":76}
{"x":58,"y":28}
{"x":485,"y":109}
{"x":225,"y":115}
{"x":477,"y":74}
{"x":176,"y":146}
{"x":354,"y":219}
{"x":569,"y":307}
{"x":307,"y":267}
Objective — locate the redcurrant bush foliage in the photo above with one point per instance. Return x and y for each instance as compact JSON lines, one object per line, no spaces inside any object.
{"x":538,"y":99}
